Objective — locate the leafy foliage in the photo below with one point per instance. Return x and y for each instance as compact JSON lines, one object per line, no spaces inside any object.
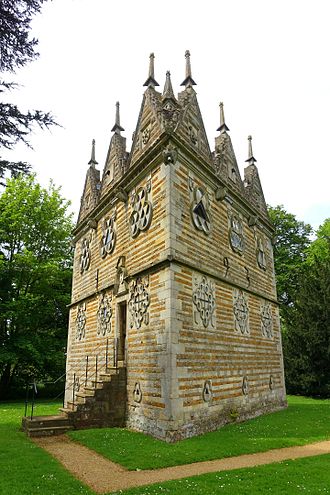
{"x":35,"y":281}
{"x":290,"y":252}
{"x":17,"y":49}
{"x":307,"y":340}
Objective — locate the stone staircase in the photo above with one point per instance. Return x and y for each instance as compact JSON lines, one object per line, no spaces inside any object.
{"x":103,"y":404}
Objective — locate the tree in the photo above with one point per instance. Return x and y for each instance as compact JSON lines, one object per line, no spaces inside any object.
{"x":17,"y":49}
{"x":292,"y":238}
{"x":307,"y":339}
{"x":35,"y":281}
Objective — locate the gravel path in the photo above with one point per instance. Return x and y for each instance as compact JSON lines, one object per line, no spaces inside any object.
{"x":104,"y":476}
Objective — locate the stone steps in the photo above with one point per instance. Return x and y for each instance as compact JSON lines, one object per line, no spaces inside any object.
{"x":40,"y":426}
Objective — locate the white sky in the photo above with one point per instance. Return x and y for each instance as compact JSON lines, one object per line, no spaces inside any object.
{"x":268,"y":61}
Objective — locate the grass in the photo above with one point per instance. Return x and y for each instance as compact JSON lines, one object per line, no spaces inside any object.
{"x":28,"y":470}
{"x":25,"y":468}
{"x":305,"y":421}
{"x":309,"y":475}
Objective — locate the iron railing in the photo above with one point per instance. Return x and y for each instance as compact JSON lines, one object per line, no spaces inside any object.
{"x":87,"y":372}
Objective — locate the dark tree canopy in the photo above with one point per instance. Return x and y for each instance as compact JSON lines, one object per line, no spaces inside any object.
{"x":307,"y":338}
{"x":17,"y":48}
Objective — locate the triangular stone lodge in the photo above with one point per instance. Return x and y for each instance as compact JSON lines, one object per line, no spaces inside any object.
{"x":174,"y":323}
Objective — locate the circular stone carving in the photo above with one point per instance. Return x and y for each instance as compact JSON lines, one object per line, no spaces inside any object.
{"x":81,"y":322}
{"x":85,"y":257}
{"x":200,"y":210}
{"x":245,"y":386}
{"x":137,"y":393}
{"x":207,"y":391}
{"x":141,"y":215}
{"x":108,"y":240}
{"x":236,"y":234}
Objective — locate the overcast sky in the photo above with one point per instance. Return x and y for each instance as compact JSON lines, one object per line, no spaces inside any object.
{"x":268,"y":61}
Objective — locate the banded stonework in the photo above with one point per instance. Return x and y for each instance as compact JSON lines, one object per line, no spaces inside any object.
{"x":174,"y":320}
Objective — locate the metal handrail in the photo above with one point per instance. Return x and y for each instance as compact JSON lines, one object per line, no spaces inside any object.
{"x":86,"y":359}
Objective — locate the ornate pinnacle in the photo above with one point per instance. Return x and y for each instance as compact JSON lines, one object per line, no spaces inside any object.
{"x":223,"y":127}
{"x":251,"y":158}
{"x":168,"y":90}
{"x":188,"y":80}
{"x":117,"y":127}
{"x":92,"y":161}
{"x":151,"y":81}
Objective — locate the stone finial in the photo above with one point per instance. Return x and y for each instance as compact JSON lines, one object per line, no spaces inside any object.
{"x":223,"y":127}
{"x":151,"y":81}
{"x":92,"y":161}
{"x":251,"y":158}
{"x":117,"y":127}
{"x":188,"y":80}
{"x":168,"y":90}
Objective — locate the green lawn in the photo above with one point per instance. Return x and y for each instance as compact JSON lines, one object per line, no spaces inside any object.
{"x":25,"y":469}
{"x":28,"y":470}
{"x":310,"y":475}
{"x":305,"y":421}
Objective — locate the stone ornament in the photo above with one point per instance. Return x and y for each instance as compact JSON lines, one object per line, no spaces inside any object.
{"x":204,"y":301}
{"x":137,"y":393}
{"x":121,"y":285}
{"x":261,"y":256}
{"x":245,"y":386}
{"x":271,"y":382}
{"x":145,"y":136}
{"x":200,"y":210}
{"x":170,"y":155}
{"x":266,"y":320}
{"x":141,"y":215}
{"x":104,"y":314}
{"x":193,"y":135}
{"x":236,"y":234}
{"x":85,"y":257}
{"x":81,"y":321}
{"x":139,"y":302}
{"x":207,"y":391}
{"x":241,"y":313}
{"x":108,"y":239}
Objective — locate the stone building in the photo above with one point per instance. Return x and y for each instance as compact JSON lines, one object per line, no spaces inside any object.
{"x":174,"y":324}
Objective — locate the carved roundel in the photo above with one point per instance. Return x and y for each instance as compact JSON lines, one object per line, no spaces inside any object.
{"x":81,"y":321}
{"x":236,"y":234}
{"x":204,"y":301}
{"x":261,"y":256}
{"x":108,"y":239}
{"x":245,"y":386}
{"x":85,"y":257}
{"x":200,"y":210}
{"x":138,"y":302}
{"x":104,"y":314}
{"x":137,"y":393}
{"x":266,"y":320}
{"x":241,"y":312}
{"x":141,"y":215}
{"x":207,"y":391}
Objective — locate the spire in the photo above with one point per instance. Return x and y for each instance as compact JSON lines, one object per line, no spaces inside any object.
{"x":151,"y":81}
{"x":168,"y":90}
{"x":188,"y":80}
{"x":223,"y":127}
{"x":92,"y":161}
{"x":251,"y":158}
{"x":117,"y":127}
